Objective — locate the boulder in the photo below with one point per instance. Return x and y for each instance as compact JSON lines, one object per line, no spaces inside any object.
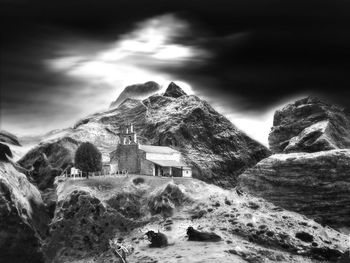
{"x":23,"y":218}
{"x":314,"y":184}
{"x":309,"y":125}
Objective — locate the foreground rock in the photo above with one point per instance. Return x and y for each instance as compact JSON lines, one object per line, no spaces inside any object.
{"x":137,"y":91}
{"x":314,"y":184}
{"x":309,"y":125}
{"x":217,"y":151}
{"x":9,"y":138}
{"x":23,"y":218}
{"x":49,"y":160}
{"x":90,"y":212}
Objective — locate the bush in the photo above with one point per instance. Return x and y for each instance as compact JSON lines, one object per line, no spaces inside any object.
{"x":88,"y":158}
{"x":138,"y":180}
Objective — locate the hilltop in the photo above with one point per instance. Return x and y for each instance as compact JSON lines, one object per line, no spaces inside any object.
{"x":217,"y":150}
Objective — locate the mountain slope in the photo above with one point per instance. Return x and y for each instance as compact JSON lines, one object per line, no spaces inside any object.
{"x":210,"y":143}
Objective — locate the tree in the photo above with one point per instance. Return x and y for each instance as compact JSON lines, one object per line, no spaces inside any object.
{"x":88,"y":158}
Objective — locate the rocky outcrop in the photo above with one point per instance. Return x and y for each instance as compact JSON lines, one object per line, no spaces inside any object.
{"x":174,"y":91}
{"x":9,"y":138}
{"x":5,"y":152}
{"x":210,"y":143}
{"x":49,"y":160}
{"x":23,"y":218}
{"x":314,"y":184}
{"x":309,"y":125}
{"x":83,"y":225}
{"x":137,"y":91}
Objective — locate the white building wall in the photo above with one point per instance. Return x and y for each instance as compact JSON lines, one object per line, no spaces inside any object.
{"x":186,"y":172}
{"x":162,"y":156}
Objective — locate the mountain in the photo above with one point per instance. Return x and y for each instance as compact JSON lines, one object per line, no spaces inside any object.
{"x":314,"y":179}
{"x":309,"y":125}
{"x":210,"y":143}
{"x":91,"y":212}
{"x":23,"y":218}
{"x":137,"y":91}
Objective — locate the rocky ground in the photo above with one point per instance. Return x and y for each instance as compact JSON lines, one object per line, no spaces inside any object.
{"x":90,"y":212}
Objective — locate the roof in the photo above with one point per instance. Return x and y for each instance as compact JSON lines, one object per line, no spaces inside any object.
{"x":168,"y":163}
{"x":157,"y":149}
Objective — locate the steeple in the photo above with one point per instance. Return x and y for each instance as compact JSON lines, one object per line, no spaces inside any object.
{"x":127,"y":135}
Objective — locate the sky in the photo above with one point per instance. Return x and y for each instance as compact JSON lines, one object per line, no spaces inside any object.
{"x":62,"y":60}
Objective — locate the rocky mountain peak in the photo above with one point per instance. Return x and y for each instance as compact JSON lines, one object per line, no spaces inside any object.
{"x":136,"y":91}
{"x":309,"y":125}
{"x":174,"y":91}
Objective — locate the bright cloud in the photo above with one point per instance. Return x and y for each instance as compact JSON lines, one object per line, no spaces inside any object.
{"x":135,"y":57}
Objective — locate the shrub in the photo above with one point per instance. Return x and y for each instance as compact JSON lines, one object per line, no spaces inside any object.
{"x":138,"y":180}
{"x":88,"y":158}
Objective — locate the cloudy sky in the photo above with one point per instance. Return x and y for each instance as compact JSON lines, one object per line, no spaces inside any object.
{"x":61,"y":60}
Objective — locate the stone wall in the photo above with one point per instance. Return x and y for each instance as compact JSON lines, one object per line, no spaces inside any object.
{"x":128,"y":158}
{"x":147,"y":167}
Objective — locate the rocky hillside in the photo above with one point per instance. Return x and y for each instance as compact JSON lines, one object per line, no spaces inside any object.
{"x":211,"y":144}
{"x":309,"y":125}
{"x":313,"y":184}
{"x":92,"y":212}
{"x":137,"y":91}
{"x":23,"y":218}
{"x":316,"y":180}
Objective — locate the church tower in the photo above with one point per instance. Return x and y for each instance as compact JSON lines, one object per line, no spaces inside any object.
{"x":128,"y":135}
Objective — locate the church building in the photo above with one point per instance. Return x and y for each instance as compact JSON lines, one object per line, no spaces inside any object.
{"x":141,"y":159}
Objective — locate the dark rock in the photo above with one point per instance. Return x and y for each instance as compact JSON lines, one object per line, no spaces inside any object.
{"x":137,"y":91}
{"x":50,"y":160}
{"x":303,"y":236}
{"x":9,"y":138}
{"x":4,"y":152}
{"x":314,"y":184}
{"x":165,"y":202}
{"x":83,"y":223}
{"x":174,"y":91}
{"x":195,"y":235}
{"x":325,"y":253}
{"x":309,"y":125}
{"x":127,"y":204}
{"x":23,"y":218}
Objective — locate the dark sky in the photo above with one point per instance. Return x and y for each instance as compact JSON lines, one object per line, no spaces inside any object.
{"x":61,"y":60}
